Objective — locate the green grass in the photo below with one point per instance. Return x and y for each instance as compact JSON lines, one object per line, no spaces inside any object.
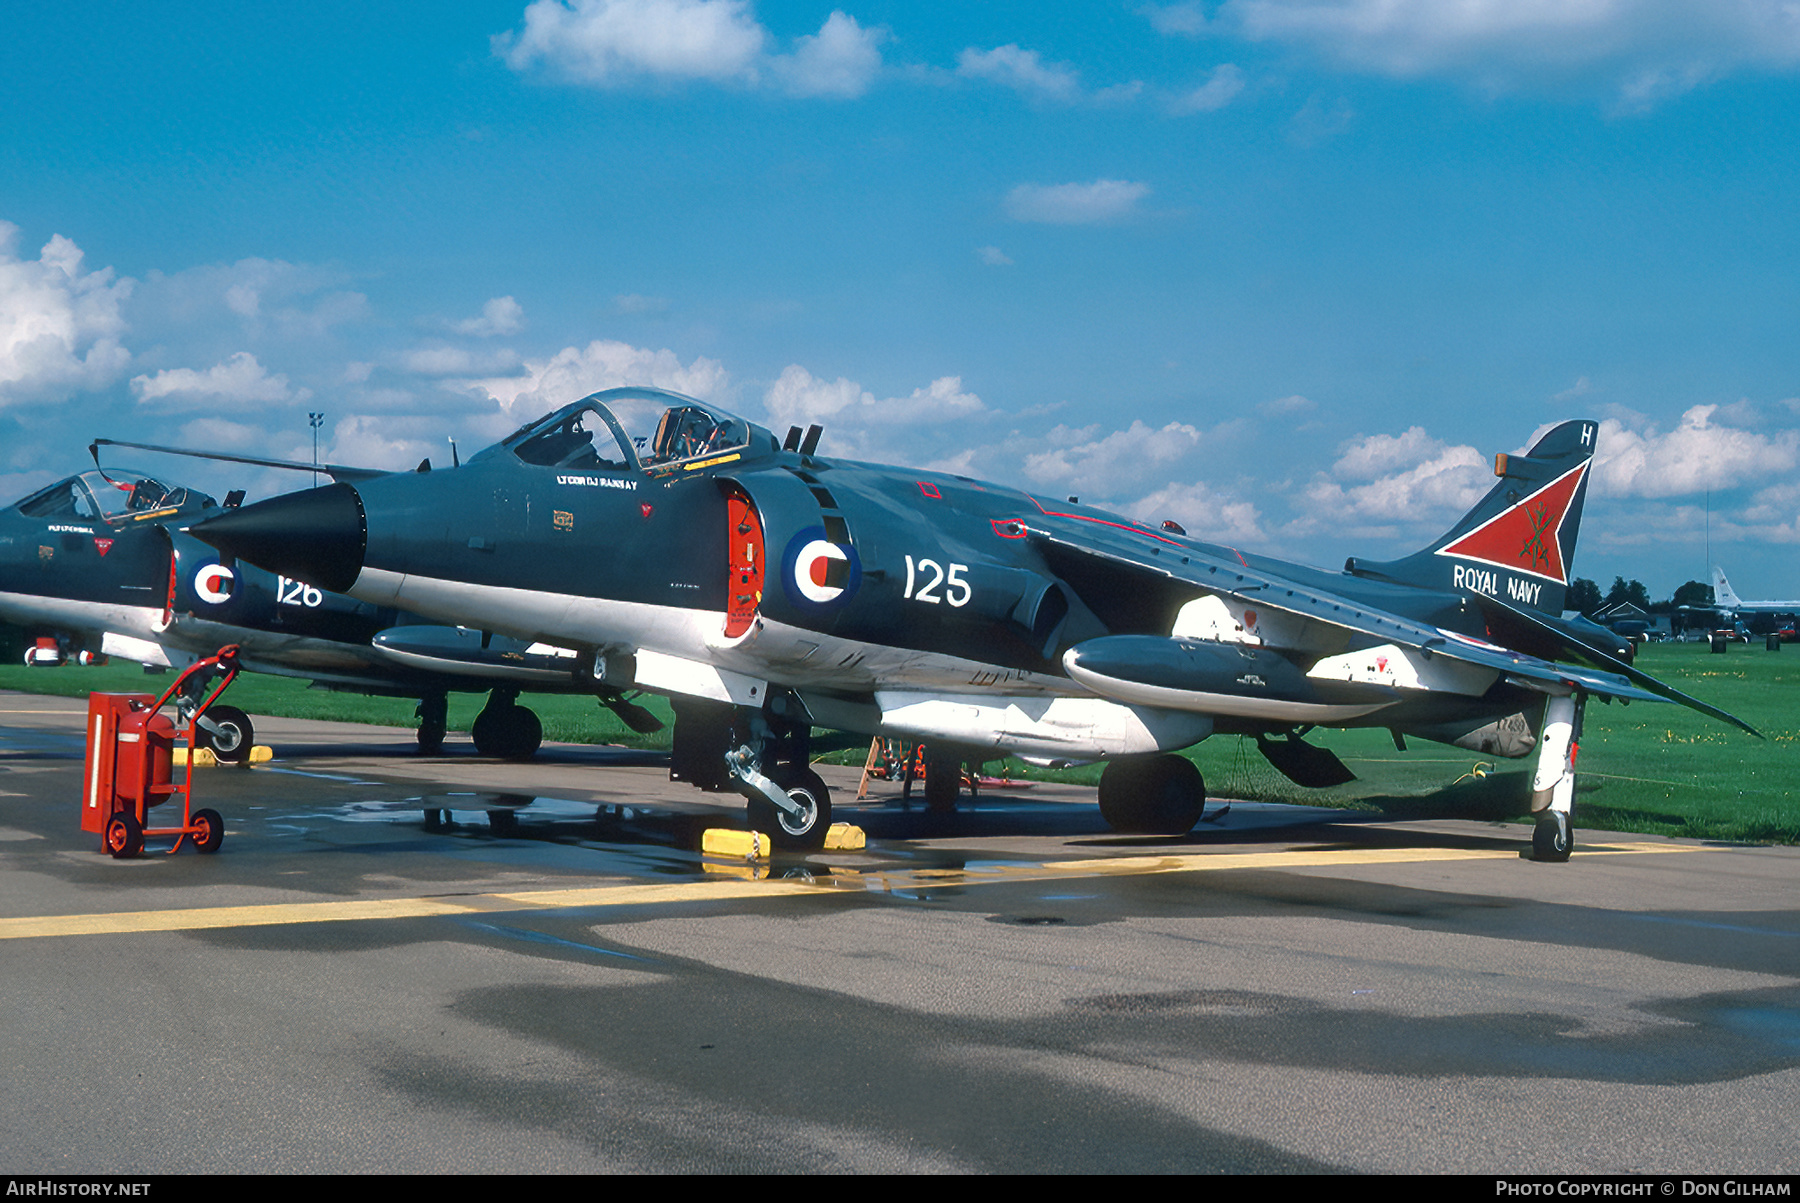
{"x":1644,"y":767}
{"x":568,"y":718}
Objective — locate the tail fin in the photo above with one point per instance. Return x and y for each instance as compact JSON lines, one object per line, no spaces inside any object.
{"x":1724,"y":596}
{"x":1519,"y":541}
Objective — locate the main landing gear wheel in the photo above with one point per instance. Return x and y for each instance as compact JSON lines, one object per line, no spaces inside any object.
{"x":803,"y":786}
{"x":1552,"y":839}
{"x":433,"y":715}
{"x":124,"y":836}
{"x":211,"y":831}
{"x":509,"y":732}
{"x":943,"y":782}
{"x":1157,"y":795}
{"x":231,"y":736}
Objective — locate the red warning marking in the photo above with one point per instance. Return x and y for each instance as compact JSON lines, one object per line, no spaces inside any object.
{"x":1527,"y":536}
{"x":929,"y":489}
{"x":103,"y":545}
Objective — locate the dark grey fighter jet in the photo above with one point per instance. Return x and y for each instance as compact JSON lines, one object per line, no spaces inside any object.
{"x":768,"y":589}
{"x":102,"y":561}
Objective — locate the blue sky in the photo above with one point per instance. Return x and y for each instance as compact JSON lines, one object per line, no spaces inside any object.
{"x":1290,"y":271}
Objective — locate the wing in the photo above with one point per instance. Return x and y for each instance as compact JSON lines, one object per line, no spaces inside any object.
{"x":1601,"y":658}
{"x":1142,"y":554}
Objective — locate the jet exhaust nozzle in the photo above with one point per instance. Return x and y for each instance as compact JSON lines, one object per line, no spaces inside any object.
{"x":317,"y":536}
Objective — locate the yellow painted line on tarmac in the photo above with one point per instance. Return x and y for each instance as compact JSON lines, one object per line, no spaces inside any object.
{"x":907,"y":881}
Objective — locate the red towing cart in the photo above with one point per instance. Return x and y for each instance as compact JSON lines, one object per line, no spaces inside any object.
{"x":130,"y":761}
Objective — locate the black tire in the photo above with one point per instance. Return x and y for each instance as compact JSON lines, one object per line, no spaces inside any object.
{"x":211,"y":831}
{"x":943,"y":783}
{"x":232,"y":742}
{"x":123,"y":837}
{"x":1157,"y":795}
{"x":1553,"y":838}
{"x":485,"y":730}
{"x":432,"y":713}
{"x":509,"y":732}
{"x":1119,"y":794}
{"x":803,"y":786}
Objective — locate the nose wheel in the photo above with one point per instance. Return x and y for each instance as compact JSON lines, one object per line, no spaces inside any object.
{"x":1552,"y":838}
{"x":228,"y":732}
{"x":808,"y":792}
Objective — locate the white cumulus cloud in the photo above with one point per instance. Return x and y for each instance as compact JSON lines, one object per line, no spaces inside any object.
{"x":1075,"y":204}
{"x":1220,"y":89}
{"x":859,"y":424}
{"x":264,"y":295}
{"x":239,"y":379}
{"x":1087,"y":463}
{"x":574,"y":372}
{"x":842,"y":59}
{"x":1021,"y":70}
{"x":501,"y":315}
{"x":1407,"y":479}
{"x":1644,"y":49}
{"x":623,"y":43}
{"x":1698,"y":454}
{"x":59,"y":323}
{"x":1205,"y":513}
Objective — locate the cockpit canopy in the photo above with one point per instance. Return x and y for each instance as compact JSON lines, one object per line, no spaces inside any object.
{"x":629,"y":428}
{"x":113,"y":496}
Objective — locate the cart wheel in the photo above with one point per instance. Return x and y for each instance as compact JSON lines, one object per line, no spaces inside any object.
{"x":124,"y":836}
{"x":211,"y":830}
{"x":232,"y":742}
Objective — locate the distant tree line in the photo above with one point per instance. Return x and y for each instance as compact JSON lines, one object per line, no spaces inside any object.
{"x":1584,"y":595}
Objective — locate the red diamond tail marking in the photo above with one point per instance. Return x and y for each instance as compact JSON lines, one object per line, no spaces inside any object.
{"x":1525,"y":537}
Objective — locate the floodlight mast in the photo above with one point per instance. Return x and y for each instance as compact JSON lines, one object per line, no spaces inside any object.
{"x":316,"y":420}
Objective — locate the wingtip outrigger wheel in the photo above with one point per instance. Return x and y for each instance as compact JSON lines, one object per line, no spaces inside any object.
{"x":1553,"y":783}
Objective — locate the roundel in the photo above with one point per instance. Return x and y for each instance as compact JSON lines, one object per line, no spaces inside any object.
{"x":818,"y":572}
{"x":214,"y":583}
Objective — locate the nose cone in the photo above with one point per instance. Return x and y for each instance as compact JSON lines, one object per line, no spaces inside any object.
{"x":317,"y":536}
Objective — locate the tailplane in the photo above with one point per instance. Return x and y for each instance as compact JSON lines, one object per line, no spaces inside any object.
{"x":1519,"y":541}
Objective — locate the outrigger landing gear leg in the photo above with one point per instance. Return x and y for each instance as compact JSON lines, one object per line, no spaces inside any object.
{"x":1553,"y":784}
{"x":783,"y":796}
{"x":434,"y":713}
{"x":506,"y":729}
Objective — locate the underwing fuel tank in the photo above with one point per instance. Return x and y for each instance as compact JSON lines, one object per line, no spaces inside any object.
{"x":1216,"y":678}
{"x":459,"y":650}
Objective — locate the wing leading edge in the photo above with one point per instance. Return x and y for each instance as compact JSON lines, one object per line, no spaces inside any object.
{"x":1188,"y":563}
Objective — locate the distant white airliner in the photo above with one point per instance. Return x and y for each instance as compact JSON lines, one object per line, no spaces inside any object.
{"x":1726,"y":600}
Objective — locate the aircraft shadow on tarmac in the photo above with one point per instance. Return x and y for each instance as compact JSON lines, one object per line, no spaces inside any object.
{"x":896,"y":823}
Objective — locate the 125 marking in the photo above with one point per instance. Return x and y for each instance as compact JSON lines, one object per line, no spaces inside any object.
{"x":953,"y":581}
